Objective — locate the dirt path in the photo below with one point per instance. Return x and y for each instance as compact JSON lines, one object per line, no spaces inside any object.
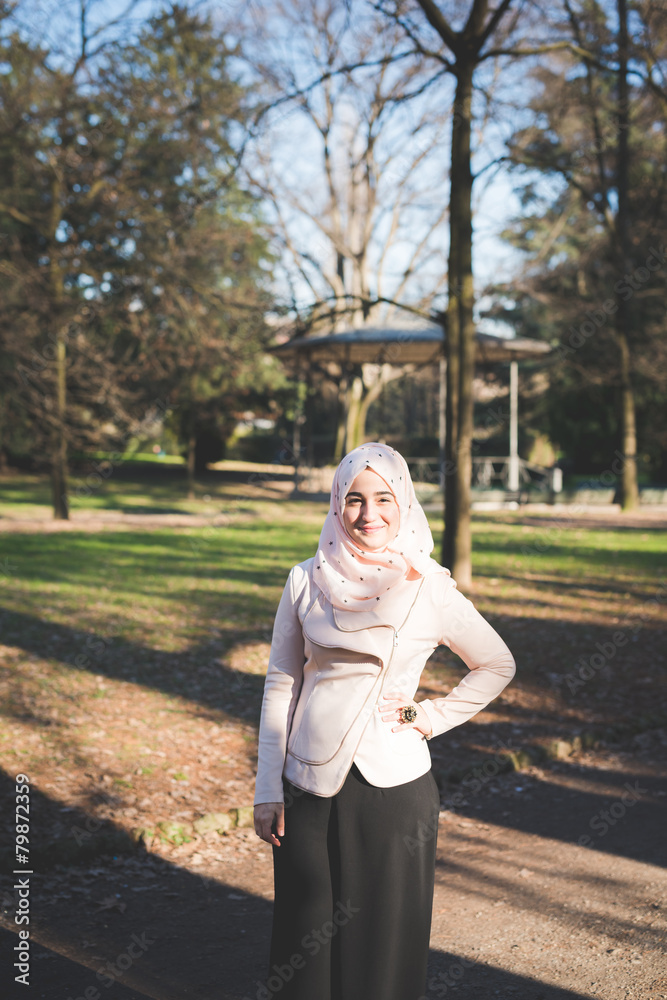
{"x":550,"y":882}
{"x":521,"y":910}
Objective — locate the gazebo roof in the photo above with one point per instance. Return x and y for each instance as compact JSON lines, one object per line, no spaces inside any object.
{"x":380,"y":345}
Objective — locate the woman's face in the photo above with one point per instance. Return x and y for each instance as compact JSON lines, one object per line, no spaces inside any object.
{"x":371,"y":514}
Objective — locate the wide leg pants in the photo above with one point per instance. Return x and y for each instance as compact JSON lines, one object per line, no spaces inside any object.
{"x":353,"y":882}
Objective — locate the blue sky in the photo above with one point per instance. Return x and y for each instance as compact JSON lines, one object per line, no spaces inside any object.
{"x":56,"y":23}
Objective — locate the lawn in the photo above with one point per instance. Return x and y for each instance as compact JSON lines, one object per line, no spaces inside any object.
{"x":133,"y":653}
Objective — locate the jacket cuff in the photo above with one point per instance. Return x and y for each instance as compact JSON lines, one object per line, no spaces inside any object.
{"x":435,"y":718}
{"x":269,"y":794}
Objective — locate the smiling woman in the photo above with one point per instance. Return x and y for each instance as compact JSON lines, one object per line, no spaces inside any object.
{"x":344,"y":790}
{"x":371,"y":514}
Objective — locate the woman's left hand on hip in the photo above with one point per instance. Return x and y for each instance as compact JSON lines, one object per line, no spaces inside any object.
{"x":390,"y":706}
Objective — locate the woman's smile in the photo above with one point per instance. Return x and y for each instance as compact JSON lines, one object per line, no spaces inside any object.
{"x":371,"y":515}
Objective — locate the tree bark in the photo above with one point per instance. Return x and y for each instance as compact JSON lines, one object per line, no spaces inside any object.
{"x":192,"y":444}
{"x":59,"y":445}
{"x":629,"y":488}
{"x":59,"y":469}
{"x":354,"y":398}
{"x":457,"y":542}
{"x":342,"y":420}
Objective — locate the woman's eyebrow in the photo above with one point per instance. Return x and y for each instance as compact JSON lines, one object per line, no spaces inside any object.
{"x":378,"y":493}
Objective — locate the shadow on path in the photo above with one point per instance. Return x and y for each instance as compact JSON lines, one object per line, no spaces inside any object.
{"x":171,"y":935}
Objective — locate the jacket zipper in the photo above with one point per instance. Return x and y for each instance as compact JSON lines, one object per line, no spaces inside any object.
{"x":386,"y":672}
{"x":383,"y":679}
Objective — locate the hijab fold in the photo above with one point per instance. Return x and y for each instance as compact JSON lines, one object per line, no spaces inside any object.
{"x":354,"y":579}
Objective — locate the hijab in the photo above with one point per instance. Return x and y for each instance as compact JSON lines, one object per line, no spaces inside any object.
{"x":351,"y":577}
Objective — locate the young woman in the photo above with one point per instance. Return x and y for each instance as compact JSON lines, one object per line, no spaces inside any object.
{"x":344,"y":791}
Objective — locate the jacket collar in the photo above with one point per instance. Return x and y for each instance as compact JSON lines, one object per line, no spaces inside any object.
{"x":325,"y":625}
{"x":362,"y":631}
{"x":355,"y":621}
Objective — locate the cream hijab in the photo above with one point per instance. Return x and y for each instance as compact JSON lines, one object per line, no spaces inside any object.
{"x":352,"y":578}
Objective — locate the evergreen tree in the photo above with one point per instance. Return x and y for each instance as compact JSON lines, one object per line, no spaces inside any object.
{"x":134,"y":267}
{"x":595,"y":262}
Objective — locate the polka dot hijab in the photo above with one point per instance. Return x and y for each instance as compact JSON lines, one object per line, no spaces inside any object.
{"x":354,"y":579}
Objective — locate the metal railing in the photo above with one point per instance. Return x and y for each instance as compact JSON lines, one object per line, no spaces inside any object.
{"x":493,"y":472}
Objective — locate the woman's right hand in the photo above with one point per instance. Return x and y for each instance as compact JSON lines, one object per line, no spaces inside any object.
{"x":267,"y":814}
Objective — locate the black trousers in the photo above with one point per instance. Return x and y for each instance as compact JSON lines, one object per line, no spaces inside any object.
{"x":353,"y":882}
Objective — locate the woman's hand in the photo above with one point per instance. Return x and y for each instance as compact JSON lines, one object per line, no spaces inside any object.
{"x":268,"y":815}
{"x":390,"y":704}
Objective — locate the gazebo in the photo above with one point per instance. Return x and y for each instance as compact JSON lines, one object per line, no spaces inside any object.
{"x":425,"y":345}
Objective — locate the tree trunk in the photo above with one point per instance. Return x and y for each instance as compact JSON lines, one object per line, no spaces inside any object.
{"x":59,"y":469}
{"x":457,"y":544}
{"x":192,"y":444}
{"x":342,"y":420}
{"x":59,"y":446}
{"x":629,"y":488}
{"x":367,"y":400}
{"x":354,"y":397}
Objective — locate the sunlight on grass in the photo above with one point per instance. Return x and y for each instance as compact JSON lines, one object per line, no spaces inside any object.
{"x":122,"y":646}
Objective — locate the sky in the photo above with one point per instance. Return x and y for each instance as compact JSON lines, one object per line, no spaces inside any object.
{"x":56,"y":23}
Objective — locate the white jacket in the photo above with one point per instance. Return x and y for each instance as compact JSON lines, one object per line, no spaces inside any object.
{"x":328,"y":667}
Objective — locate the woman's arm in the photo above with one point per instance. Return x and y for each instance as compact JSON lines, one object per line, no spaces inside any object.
{"x":281,"y":691}
{"x":480,"y":647}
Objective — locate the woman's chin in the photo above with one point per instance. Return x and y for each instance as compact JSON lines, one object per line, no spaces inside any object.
{"x":372,"y":543}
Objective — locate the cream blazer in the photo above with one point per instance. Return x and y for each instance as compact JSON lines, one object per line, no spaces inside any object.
{"x":328,"y":668}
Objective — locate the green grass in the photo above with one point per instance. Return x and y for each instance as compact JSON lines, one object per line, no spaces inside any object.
{"x":125,"y":639}
{"x":168,"y":586}
{"x":562,"y":549}
{"x":131,"y":594}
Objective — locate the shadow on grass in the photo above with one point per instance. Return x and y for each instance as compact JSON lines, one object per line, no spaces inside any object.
{"x":220,"y":689}
{"x":561,"y":519}
{"x":564,"y":558}
{"x":196,"y":674}
{"x":564,"y":585}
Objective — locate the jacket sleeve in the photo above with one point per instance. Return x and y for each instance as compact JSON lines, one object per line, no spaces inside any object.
{"x":281,"y":690}
{"x":486,"y":655}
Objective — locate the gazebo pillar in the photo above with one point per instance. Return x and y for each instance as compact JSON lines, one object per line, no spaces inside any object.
{"x":513,"y":477}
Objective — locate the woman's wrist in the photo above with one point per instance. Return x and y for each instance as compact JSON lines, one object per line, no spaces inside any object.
{"x":427,"y":722}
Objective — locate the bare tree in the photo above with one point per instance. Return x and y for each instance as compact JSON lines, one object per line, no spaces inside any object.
{"x":359,"y":214}
{"x":598,"y":125}
{"x":485,"y":34}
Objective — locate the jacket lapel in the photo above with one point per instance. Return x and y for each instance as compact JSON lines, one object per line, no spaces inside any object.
{"x":363,"y":631}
